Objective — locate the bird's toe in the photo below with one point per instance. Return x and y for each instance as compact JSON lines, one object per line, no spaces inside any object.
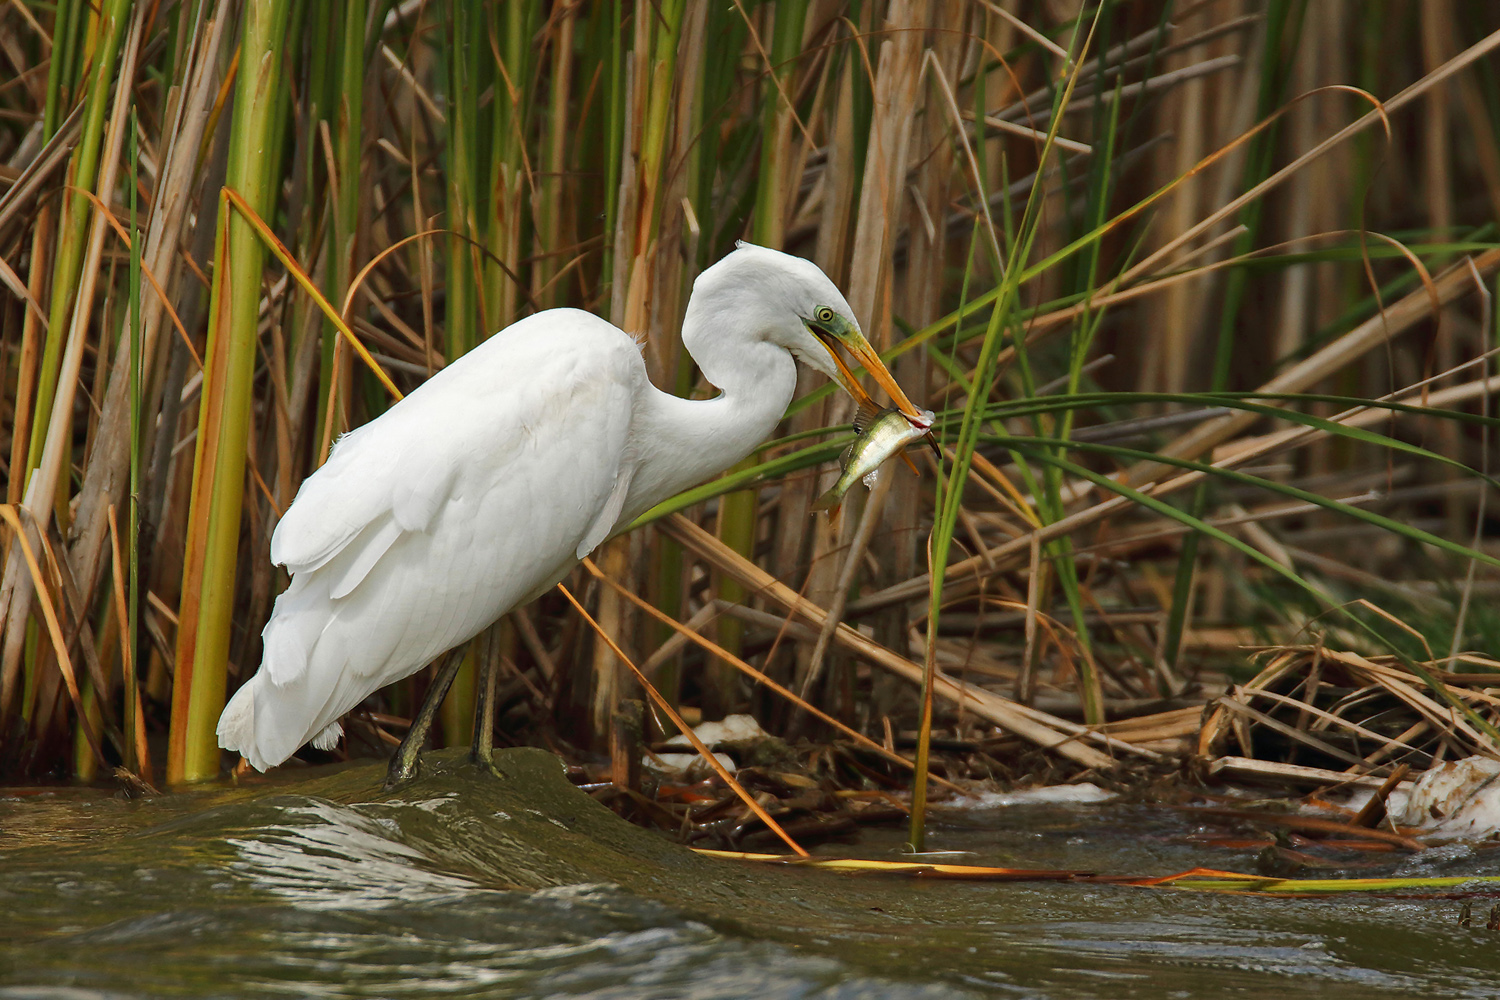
{"x":401,"y":770}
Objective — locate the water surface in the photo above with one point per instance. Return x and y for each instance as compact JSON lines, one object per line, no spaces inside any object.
{"x":463,"y":885}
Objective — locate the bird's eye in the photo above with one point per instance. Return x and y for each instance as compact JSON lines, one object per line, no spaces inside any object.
{"x":824,"y":314}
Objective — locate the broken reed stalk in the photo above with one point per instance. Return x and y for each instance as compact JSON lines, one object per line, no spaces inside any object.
{"x":1030,"y":724}
{"x":684,"y":728}
{"x":692,"y":635}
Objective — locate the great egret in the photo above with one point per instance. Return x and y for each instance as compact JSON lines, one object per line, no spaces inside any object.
{"x":481,"y":489}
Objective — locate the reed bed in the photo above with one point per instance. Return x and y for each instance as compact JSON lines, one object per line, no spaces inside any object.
{"x":1200,"y":291}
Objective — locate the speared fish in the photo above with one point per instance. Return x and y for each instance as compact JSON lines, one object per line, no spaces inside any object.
{"x":881,"y":434}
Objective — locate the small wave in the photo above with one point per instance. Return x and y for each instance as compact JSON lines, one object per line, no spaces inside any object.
{"x":329,"y":856}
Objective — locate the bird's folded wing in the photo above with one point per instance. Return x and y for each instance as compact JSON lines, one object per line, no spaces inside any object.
{"x":367,"y":548}
{"x":540,"y":418}
{"x":368,"y":482}
{"x":599,"y":529}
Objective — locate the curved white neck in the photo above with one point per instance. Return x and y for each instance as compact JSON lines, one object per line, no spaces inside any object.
{"x":682,"y":442}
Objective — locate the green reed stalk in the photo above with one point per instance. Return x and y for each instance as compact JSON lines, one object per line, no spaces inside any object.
{"x":768,"y":224}
{"x":61,"y":73}
{"x":644,"y":178}
{"x":209,"y":561}
{"x":695,"y":73}
{"x":513,"y":26}
{"x":311,"y":23}
{"x":468,"y":52}
{"x":659,"y":113}
{"x":725,"y":31}
{"x":551,"y":209}
{"x":614,"y":147}
{"x":738,"y":512}
{"x":467,"y":30}
{"x":348,"y":103}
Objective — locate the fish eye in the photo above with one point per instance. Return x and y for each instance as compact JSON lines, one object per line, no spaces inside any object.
{"x":824,"y":315}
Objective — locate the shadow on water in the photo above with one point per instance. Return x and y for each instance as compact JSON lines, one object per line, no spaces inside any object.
{"x":465,"y":885}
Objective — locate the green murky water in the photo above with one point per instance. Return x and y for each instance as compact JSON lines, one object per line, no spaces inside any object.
{"x":461,"y":885}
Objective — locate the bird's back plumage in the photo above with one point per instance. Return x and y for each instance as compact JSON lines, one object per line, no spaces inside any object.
{"x":469,"y":497}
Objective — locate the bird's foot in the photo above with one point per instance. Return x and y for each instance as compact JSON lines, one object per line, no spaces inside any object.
{"x":403,"y":768}
{"x":484,"y":759}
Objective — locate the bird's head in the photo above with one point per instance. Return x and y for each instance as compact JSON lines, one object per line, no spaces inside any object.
{"x":795,"y":306}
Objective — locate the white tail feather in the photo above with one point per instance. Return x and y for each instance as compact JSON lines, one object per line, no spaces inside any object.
{"x":237,"y":728}
{"x":267,"y":722}
{"x":328,"y":738}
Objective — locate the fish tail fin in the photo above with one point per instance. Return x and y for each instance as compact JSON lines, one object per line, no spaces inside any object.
{"x":832,"y":502}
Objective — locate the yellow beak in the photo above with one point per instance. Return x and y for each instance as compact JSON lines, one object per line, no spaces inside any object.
{"x":860,"y":350}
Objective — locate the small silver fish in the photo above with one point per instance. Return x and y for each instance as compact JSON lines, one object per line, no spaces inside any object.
{"x":882,"y":434}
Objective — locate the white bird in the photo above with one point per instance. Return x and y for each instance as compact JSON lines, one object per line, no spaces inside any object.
{"x":481,"y":489}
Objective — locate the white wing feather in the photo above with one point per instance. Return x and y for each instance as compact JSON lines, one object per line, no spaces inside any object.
{"x":474,"y":494}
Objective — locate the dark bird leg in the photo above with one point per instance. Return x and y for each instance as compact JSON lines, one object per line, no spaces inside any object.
{"x":480,"y":752}
{"x":404,"y":761}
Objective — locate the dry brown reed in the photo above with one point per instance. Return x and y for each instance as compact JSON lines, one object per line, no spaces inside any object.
{"x":1056,"y":218}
